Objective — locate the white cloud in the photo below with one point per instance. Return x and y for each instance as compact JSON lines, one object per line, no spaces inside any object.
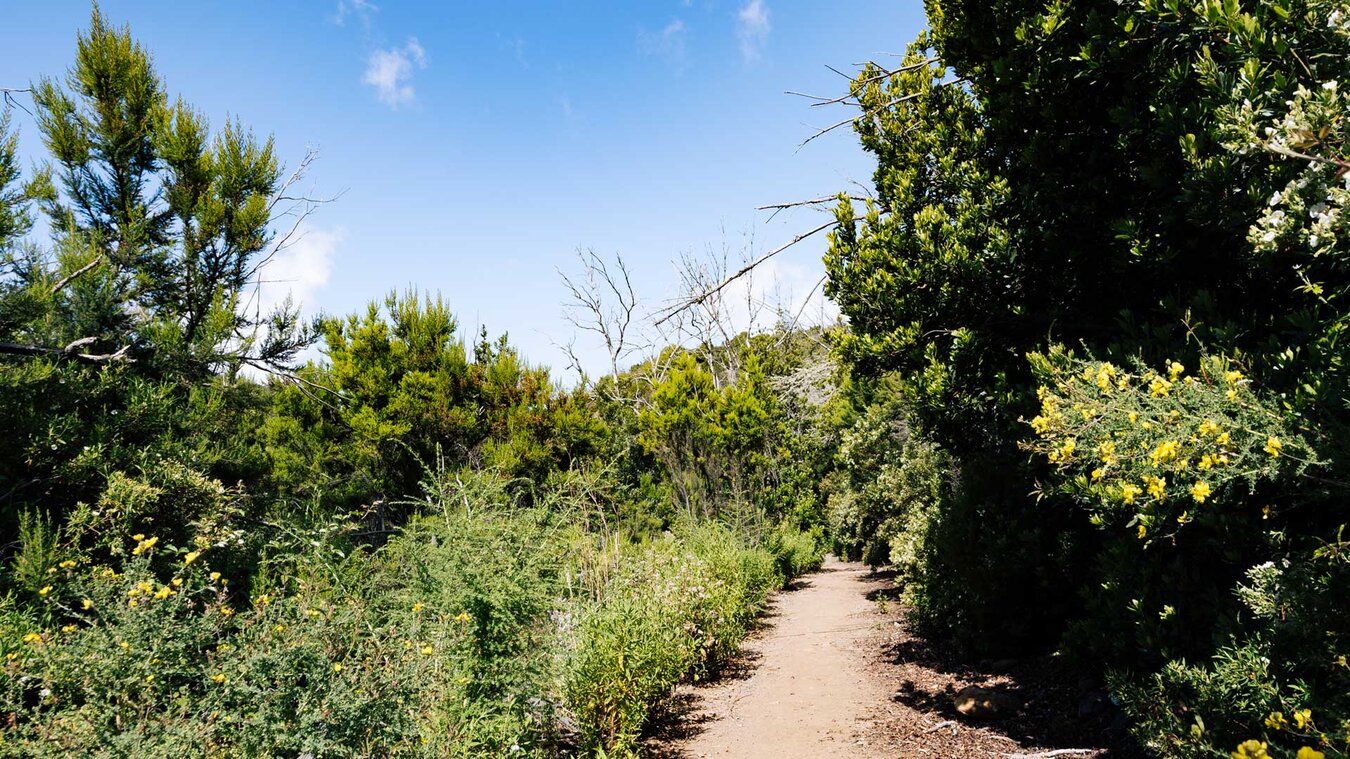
{"x":752,"y":29}
{"x":667,"y":43}
{"x":300,"y":269}
{"x":361,"y":9}
{"x":390,"y":72}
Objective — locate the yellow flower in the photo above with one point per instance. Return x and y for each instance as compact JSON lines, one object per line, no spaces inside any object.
{"x":311,"y":612}
{"x":219,"y":677}
{"x":262,"y":600}
{"x":1174,"y":370}
{"x":223,"y":647}
{"x":1273,"y":446}
{"x":1208,"y":428}
{"x":191,"y":557}
{"x":226,"y":611}
{"x":1276,"y":721}
{"x":1143,"y":531}
{"x":337,"y":666}
{"x":163,"y":593}
{"x":427,"y":650}
{"x":463,"y":616}
{"x":123,"y":644}
{"x":1166,"y":451}
{"x":1207,"y":462}
{"x":1157,"y":486}
{"x":214,"y":576}
{"x":1231,"y":394}
{"x":47,"y":589}
{"x":1223,"y":439}
{"x":1200,"y":491}
{"x":1251,"y":750}
{"x":464,"y":681}
{"x":280,"y":628}
{"x":1097,"y":474}
{"x":86,"y":604}
{"x":138,"y":537}
{"x":417,"y":607}
{"x":1308,"y":752}
{"x":177,"y":582}
{"x":1128,"y":491}
{"x":1134,"y":417}
{"x":1040,"y":425}
{"x":1302,"y":718}
{"x":34,"y":638}
{"x":1159,"y":387}
{"x":1232,"y":377}
{"x":144,"y":545}
{"x":1107,"y":451}
{"x":67,"y":564}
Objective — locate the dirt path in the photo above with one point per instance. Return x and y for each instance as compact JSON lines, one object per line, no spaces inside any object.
{"x":835,"y":672}
{"x":809,"y":688}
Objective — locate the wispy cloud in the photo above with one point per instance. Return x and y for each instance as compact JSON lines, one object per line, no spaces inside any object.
{"x":359,"y":9}
{"x":667,"y":43}
{"x":301,"y":269}
{"x":390,"y":72}
{"x":752,"y":29}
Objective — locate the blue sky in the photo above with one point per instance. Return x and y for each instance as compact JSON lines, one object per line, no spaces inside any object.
{"x":479,"y":145}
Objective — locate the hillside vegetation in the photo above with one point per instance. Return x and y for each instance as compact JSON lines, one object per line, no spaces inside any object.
{"x":1090,"y":402}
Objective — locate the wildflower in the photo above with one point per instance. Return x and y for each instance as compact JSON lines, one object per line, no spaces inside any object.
{"x":67,"y":564}
{"x":427,"y":650}
{"x":1157,"y":486}
{"x":214,"y":576}
{"x":311,"y":612}
{"x":1174,"y":370}
{"x":1223,"y":439}
{"x":138,"y":537}
{"x":1273,"y":446}
{"x":1166,"y":451}
{"x":463,"y":616}
{"x":1200,"y":491}
{"x":226,"y":611}
{"x":1231,"y":395}
{"x":464,"y":681}
{"x":1208,"y":428}
{"x":219,"y":677}
{"x":337,"y":666}
{"x":1159,"y":387}
{"x":1134,"y":417}
{"x":34,"y":638}
{"x":262,"y":600}
{"x":1097,"y":474}
{"x":1232,"y":377}
{"x":163,"y":593}
{"x":1107,"y":451}
{"x":123,"y":644}
{"x":177,"y":582}
{"x":45,"y":590}
{"x":1302,"y":718}
{"x":223,"y":647}
{"x":1143,"y":531}
{"x":191,"y":557}
{"x":1252,"y":750}
{"x":280,"y":628}
{"x":1040,"y":425}
{"x":1308,"y":752}
{"x":417,"y":607}
{"x":86,"y":604}
{"x":149,"y":678}
{"x":1128,"y":491}
{"x":144,"y":545}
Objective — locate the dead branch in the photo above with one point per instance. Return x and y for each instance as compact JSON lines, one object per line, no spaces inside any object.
{"x":71,"y":277}
{"x":699,"y":299}
{"x":603,"y":302}
{"x":70,"y":352}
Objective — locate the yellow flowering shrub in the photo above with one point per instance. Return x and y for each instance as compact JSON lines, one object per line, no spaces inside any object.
{"x":1155,"y":450}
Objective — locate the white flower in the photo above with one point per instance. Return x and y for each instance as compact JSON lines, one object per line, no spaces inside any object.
{"x":1329,"y":85}
{"x":1275,"y":198}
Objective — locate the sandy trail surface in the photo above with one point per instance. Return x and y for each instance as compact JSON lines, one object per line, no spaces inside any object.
{"x":834,"y":671}
{"x":808,"y":687}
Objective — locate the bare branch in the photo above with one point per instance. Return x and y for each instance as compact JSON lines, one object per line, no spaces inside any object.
{"x":61,"y":285}
{"x":69,"y":352}
{"x":603,"y":301}
{"x":699,"y":299}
